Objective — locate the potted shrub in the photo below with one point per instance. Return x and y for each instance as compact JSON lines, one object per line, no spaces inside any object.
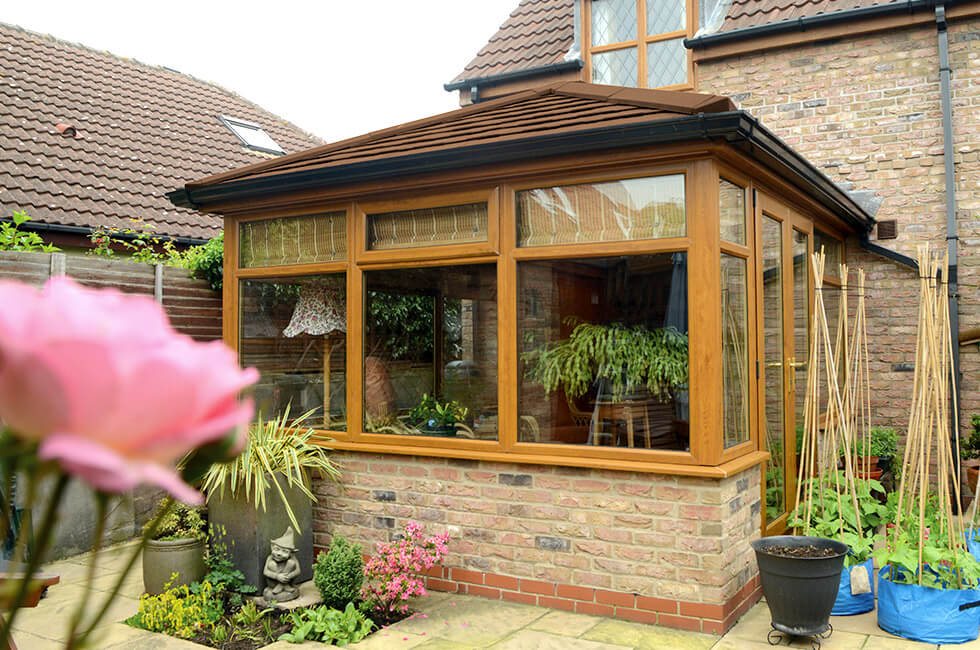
{"x":884,"y":445}
{"x":280,"y":458}
{"x":177,"y":547}
{"x":435,"y":419}
{"x":970,"y":453}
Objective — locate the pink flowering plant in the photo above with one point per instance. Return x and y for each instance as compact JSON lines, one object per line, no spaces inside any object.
{"x":97,"y":387}
{"x":394,"y":574}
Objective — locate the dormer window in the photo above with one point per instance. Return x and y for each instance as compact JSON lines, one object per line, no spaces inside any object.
{"x":251,"y":135}
{"x":640,"y":43}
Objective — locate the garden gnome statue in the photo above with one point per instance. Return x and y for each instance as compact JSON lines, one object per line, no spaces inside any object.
{"x":281,"y":568}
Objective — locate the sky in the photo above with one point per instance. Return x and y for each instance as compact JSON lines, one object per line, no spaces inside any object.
{"x":335,"y":68}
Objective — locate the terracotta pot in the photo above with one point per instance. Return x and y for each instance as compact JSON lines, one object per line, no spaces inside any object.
{"x":161,"y":559}
{"x":874,"y":475}
{"x":861,"y":461}
{"x":971,"y":478}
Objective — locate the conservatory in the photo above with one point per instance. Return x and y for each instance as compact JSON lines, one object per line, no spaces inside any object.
{"x":568,"y":325}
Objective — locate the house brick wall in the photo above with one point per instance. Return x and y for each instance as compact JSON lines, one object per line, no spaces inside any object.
{"x":665,"y":549}
{"x":867,"y":110}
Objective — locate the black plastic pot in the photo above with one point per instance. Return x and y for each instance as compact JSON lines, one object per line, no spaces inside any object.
{"x":800,"y":591}
{"x":444,"y":432}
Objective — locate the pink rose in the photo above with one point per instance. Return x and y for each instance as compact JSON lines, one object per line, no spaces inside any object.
{"x":109,"y":389}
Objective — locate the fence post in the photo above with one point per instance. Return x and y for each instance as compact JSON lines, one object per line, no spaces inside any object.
{"x":158,"y":283}
{"x":56,"y":265}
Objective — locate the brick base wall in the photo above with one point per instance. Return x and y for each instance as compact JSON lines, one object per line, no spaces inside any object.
{"x":660,"y":549}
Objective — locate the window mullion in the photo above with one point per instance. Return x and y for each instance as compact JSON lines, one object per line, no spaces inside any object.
{"x":641,"y":50}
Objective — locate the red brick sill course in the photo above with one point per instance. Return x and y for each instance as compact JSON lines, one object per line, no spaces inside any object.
{"x":696,"y":617}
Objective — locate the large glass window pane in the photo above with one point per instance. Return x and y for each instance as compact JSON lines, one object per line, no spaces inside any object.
{"x":293,"y":240}
{"x":731,"y":207}
{"x":455,"y":224}
{"x":735,"y":354}
{"x":772,"y":320}
{"x":666,"y":16}
{"x":666,"y":63}
{"x":615,"y":68}
{"x":293,"y":330}
{"x":635,"y":208}
{"x":430,"y":351}
{"x":613,"y":21}
{"x":604,"y":352}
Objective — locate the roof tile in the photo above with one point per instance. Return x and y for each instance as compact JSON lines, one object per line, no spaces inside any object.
{"x":141,"y":130}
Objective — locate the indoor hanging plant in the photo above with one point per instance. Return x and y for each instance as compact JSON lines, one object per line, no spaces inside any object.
{"x":280,"y":457}
{"x":627,"y":358}
{"x":177,"y":547}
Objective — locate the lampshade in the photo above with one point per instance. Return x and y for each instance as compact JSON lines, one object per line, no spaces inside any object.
{"x":320,"y":310}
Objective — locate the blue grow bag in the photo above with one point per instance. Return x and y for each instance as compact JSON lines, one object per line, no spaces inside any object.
{"x":973,"y":543}
{"x":927,"y":614}
{"x":848,"y":603}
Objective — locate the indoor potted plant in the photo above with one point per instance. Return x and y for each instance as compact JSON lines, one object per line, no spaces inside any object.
{"x":177,"y":547}
{"x":626,"y":358}
{"x":280,"y":457}
{"x":435,"y":419}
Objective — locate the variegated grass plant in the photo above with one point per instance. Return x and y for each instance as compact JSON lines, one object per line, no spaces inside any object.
{"x":279,"y":447}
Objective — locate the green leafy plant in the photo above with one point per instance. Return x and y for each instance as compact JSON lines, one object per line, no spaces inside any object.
{"x":219,"y":634}
{"x":221,"y":569}
{"x":277,"y":451}
{"x":970,"y":446}
{"x":626,"y":357}
{"x":836,"y":518}
{"x":12,"y":238}
{"x":328,"y":625}
{"x":206,"y":262}
{"x":429,"y":412}
{"x":249,"y":614}
{"x":139,"y":241}
{"x":178,"y":611}
{"x":181,"y":522}
{"x":339,"y":572}
{"x":884,"y":441}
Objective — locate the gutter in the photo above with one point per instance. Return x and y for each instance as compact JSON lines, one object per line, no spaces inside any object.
{"x":37,"y":226}
{"x":865,"y":242}
{"x":737,"y":128}
{"x":491,"y":80}
{"x":812,"y":22}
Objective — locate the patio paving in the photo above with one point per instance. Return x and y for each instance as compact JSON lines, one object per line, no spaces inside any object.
{"x":443,"y":621}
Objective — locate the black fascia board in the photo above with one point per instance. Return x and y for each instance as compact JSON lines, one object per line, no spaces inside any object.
{"x":811,"y":22}
{"x":494,"y":79}
{"x":737,"y":128}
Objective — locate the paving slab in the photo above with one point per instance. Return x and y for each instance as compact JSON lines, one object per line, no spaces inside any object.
{"x":537,"y":640}
{"x":648,"y":637}
{"x":388,"y":638}
{"x":472,"y":621}
{"x":565,"y":623}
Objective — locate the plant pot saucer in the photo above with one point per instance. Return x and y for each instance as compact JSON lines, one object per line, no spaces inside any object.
{"x":779,"y":632}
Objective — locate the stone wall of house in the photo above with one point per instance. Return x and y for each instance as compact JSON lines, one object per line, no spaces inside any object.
{"x":665,"y":549}
{"x":867,"y":111}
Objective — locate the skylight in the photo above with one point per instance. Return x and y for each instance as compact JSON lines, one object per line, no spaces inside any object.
{"x":251,"y":135}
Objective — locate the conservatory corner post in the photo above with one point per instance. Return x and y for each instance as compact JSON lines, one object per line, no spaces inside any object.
{"x":704,"y":301}
{"x":229,"y":293}
{"x":508,"y":359}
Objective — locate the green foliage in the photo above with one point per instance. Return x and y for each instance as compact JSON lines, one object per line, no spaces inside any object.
{"x":884,"y":441}
{"x":182,"y":522}
{"x":624,"y":356}
{"x":139,"y":241}
{"x":219,"y":634}
{"x":277,"y":450}
{"x":12,"y":238}
{"x":970,"y":446}
{"x":221,"y":570}
{"x":403,"y":326}
{"x":178,"y":611}
{"x":834,"y":517}
{"x":944,"y":565}
{"x":339,"y":572}
{"x":206,"y":262}
{"x":328,"y":625}
{"x":249,"y":614}
{"x":440,"y":415}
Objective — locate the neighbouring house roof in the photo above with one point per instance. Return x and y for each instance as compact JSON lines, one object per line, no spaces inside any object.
{"x":539,"y":33}
{"x":139,"y":130}
{"x":562,"y":118}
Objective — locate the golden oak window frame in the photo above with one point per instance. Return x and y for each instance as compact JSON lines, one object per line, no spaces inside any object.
{"x":641,"y":43}
{"x":702,"y":243}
